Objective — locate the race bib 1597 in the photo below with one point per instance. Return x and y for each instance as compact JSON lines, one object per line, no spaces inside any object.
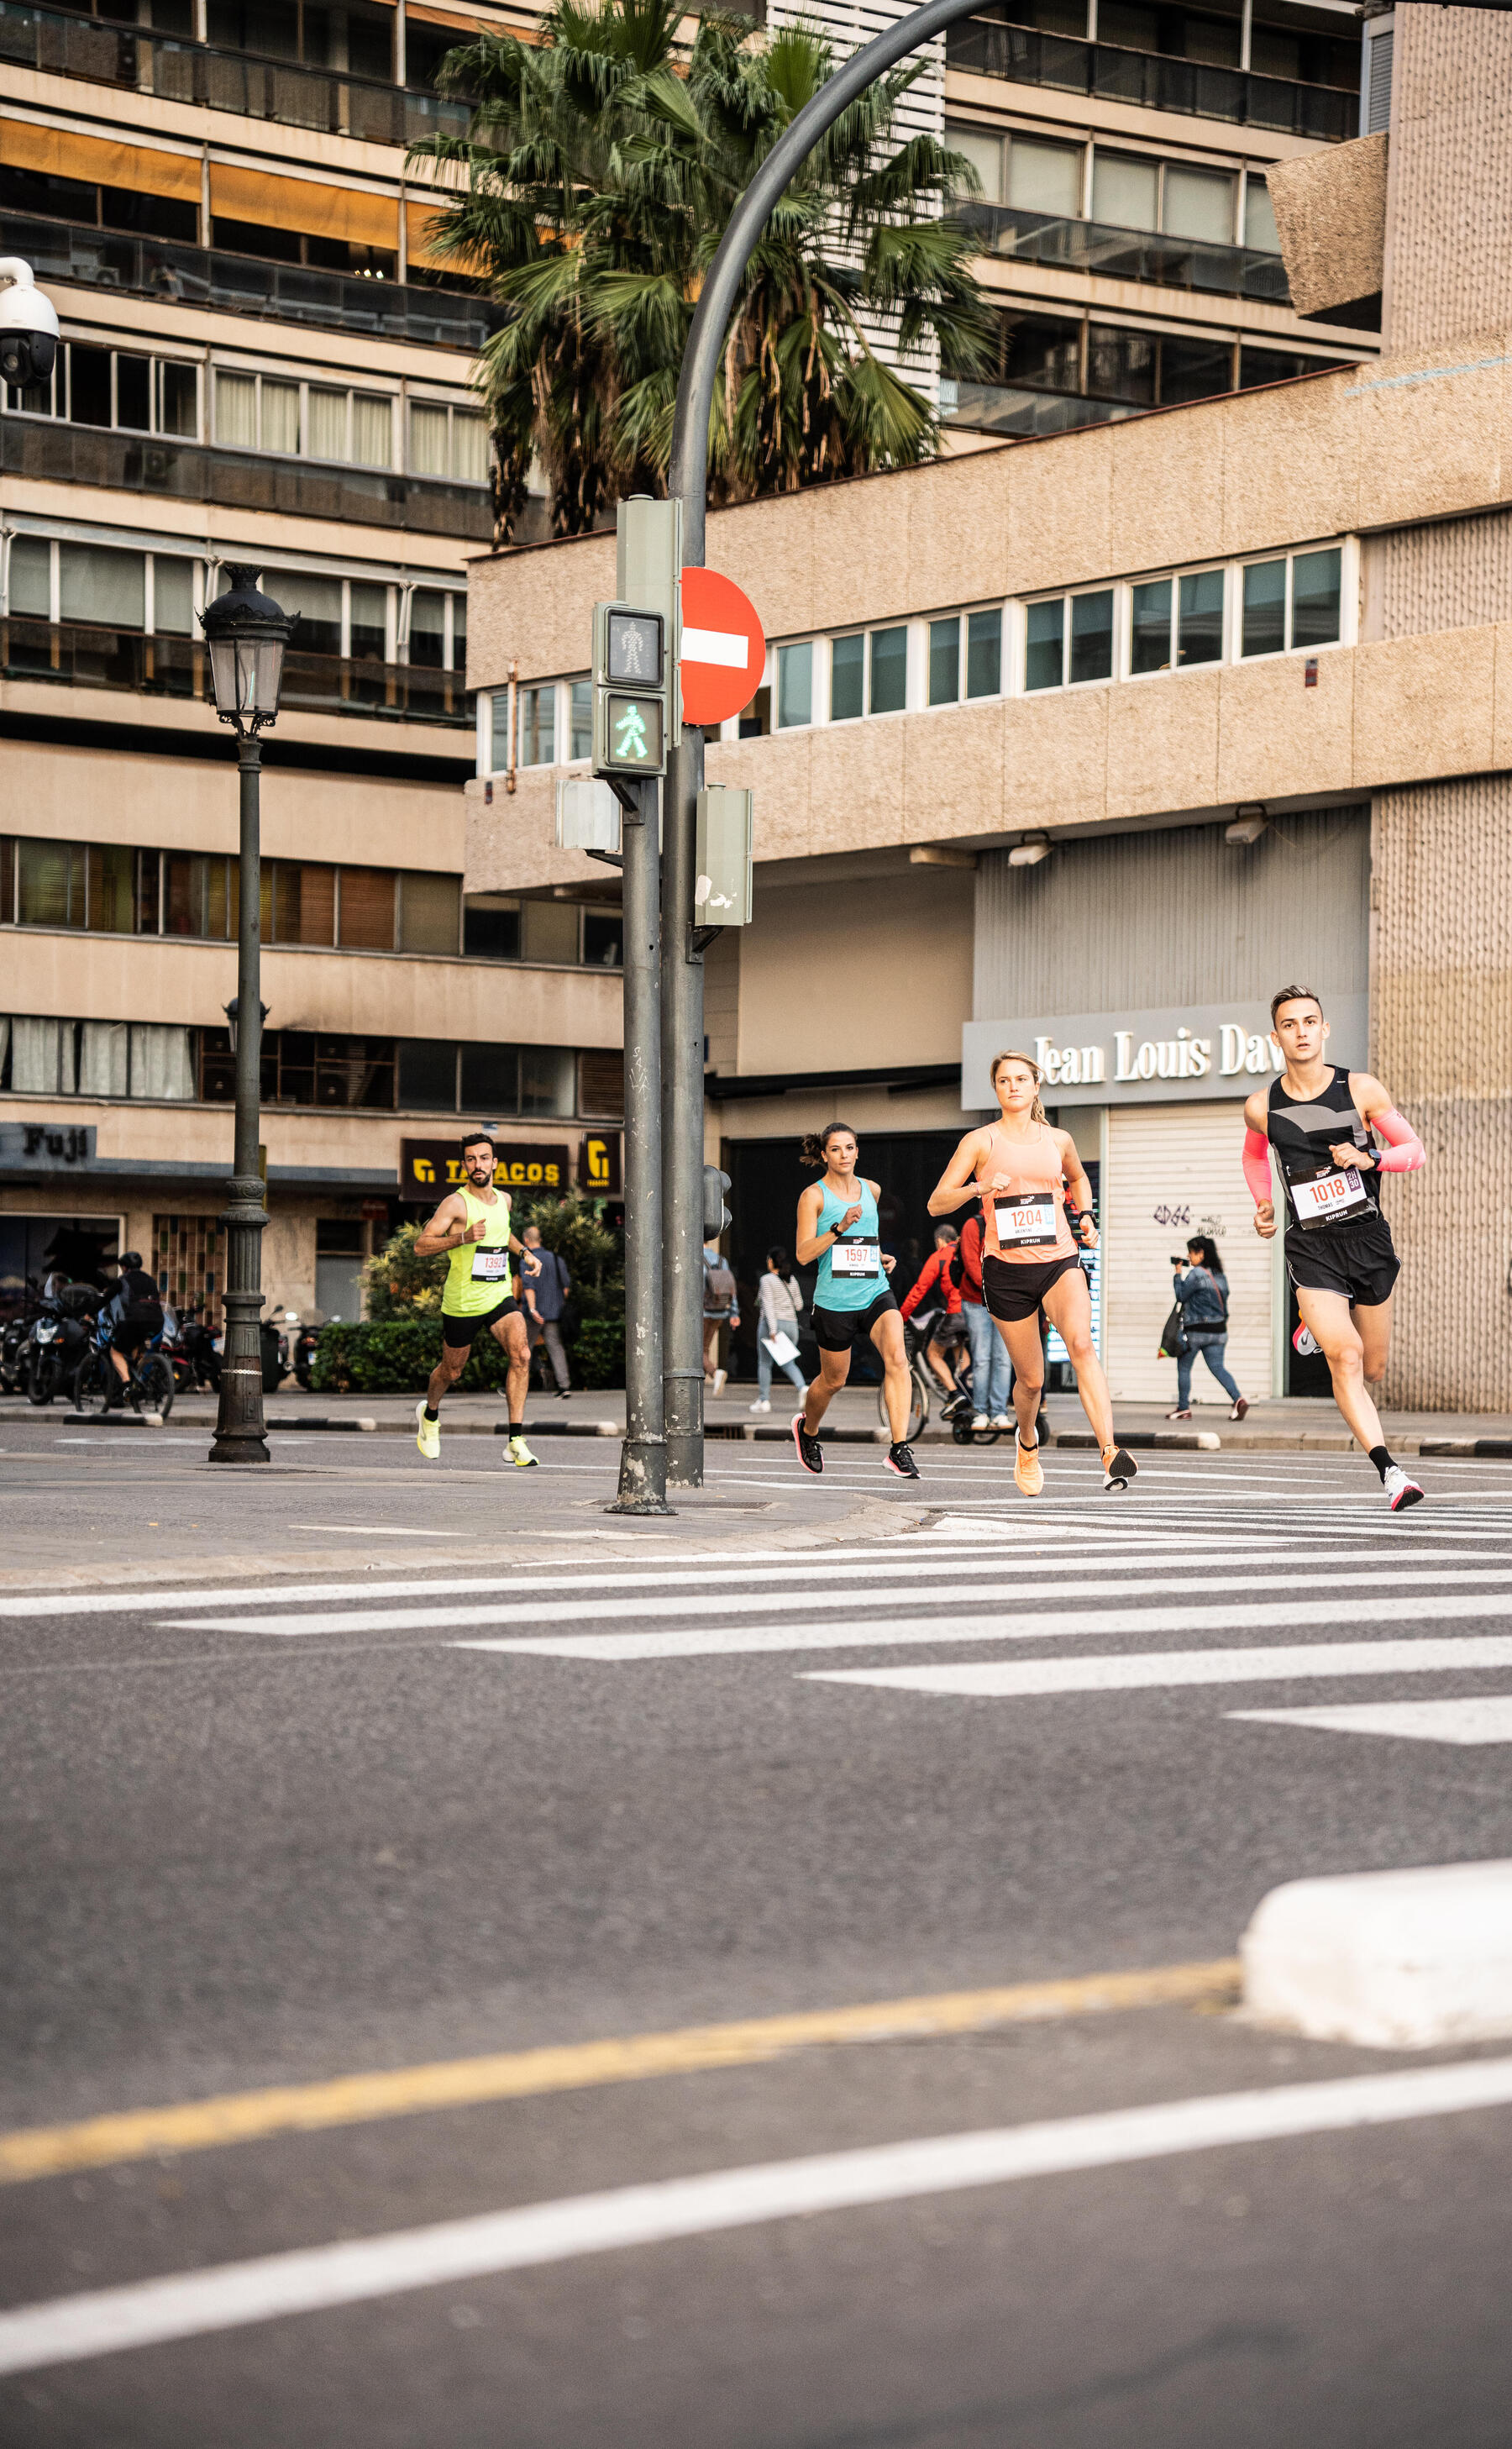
{"x":855,"y":1259}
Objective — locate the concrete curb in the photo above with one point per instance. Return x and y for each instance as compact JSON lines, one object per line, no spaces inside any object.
{"x":1389,"y":1959}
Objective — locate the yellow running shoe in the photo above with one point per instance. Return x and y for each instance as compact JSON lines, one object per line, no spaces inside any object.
{"x":520,"y":1457}
{"x":1027,"y":1469}
{"x":429,"y":1438}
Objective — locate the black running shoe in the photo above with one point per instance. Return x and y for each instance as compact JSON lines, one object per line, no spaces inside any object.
{"x":1118,"y":1468}
{"x":900,"y":1459}
{"x":810,"y":1454}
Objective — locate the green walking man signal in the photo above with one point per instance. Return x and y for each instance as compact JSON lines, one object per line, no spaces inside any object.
{"x":630,"y":679}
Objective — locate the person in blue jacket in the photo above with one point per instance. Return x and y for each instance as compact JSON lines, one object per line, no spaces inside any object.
{"x":1201,"y":1289}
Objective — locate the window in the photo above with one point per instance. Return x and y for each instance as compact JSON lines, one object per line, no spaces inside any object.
{"x":427,"y":630}
{"x":1044,"y":177}
{"x":368,"y":624}
{"x":429,"y":913}
{"x":1259,"y":216}
{"x":96,"y":584}
{"x":115,"y":387}
{"x":600,"y":1081}
{"x":428,"y":1075}
{"x":944,"y":660}
{"x":446,"y":442}
{"x":1075,"y":646}
{"x":172,"y":596}
{"x":1198,"y":204}
{"x":889,"y":670}
{"x":549,"y":933}
{"x":984,"y":152}
{"x":491,"y":927}
{"x":318,"y":602}
{"x":97,"y":1058}
{"x":984,"y":653}
{"x":1258,"y":366}
{"x":1195,"y":368}
{"x":547,"y":1082}
{"x":1121,"y":364}
{"x":1092,"y":636}
{"x":1043,"y":351}
{"x":490,"y":1079}
{"x":365,"y":910}
{"x":847,"y":676}
{"x":581,"y":718}
{"x":304,"y":903}
{"x":258,"y":412}
{"x":1296,"y":603}
{"x":1045,"y":655}
{"x":795,"y":686}
{"x":538,"y":726}
{"x":1200,"y":618}
{"x":32,"y":577}
{"x":1125,"y":192}
{"x":1150,"y":626}
{"x":602,"y":948}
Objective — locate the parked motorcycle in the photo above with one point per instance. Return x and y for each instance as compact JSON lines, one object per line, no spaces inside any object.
{"x":60,"y":1335}
{"x":306,"y":1344}
{"x":13,"y":1342}
{"x":193,"y":1350}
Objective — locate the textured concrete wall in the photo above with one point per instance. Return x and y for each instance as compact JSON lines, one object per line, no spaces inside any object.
{"x":1330,"y":216}
{"x":1448,"y":230}
{"x":1442,"y":1040}
{"x":1456,"y":574}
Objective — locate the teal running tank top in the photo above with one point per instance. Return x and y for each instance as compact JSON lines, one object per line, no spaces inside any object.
{"x":839,"y":1287}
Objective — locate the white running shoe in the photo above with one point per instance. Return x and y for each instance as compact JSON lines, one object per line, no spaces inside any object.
{"x":759,"y":1407}
{"x":1304,"y":1341}
{"x":720,"y":1377}
{"x":429,"y":1438}
{"x":1401,"y":1492}
{"x":979,"y":1420}
{"x":1003,"y":1421}
{"x":519,"y":1453}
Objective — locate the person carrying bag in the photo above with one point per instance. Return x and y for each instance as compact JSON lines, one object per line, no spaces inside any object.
{"x":780,"y":1304}
{"x":1198,"y":1323}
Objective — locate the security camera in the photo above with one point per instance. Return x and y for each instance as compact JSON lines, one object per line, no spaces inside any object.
{"x":29,"y":326}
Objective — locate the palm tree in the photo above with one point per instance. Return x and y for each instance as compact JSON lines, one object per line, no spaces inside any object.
{"x":591,"y":191}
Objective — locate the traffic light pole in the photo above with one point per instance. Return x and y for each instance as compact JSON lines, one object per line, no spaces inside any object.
{"x":683,"y":1008}
{"x":644,"y":1455}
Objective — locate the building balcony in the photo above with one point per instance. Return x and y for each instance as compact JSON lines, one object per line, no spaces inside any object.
{"x":245,"y":285}
{"x":1018,"y":409}
{"x":77,"y":655}
{"x":1149,"y":81}
{"x":328,"y":100}
{"x":44,"y":451}
{"x":1113,"y":254}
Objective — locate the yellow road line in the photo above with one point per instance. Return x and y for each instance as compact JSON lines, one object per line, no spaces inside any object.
{"x":350,"y":2100}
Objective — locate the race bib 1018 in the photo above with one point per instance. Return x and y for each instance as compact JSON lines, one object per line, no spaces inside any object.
{"x":1338,"y":1193}
{"x":1026,"y":1223}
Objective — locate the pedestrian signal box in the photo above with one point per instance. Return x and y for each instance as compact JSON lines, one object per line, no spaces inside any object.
{"x":629,"y":691}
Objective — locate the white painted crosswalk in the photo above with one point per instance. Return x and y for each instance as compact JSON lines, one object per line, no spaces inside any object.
{"x":1198,"y":1590}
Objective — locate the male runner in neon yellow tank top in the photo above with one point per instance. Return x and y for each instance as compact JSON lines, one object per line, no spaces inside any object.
{"x":472,"y":1227}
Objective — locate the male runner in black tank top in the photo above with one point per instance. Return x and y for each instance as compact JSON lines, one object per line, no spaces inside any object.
{"x":1318,"y":1120}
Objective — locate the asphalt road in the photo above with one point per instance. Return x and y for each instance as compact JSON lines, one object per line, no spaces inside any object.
{"x":268,"y":1822}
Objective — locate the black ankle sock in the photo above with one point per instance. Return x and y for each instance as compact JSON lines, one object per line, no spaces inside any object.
{"x":1381,"y":1459}
{"x":430,"y":1412}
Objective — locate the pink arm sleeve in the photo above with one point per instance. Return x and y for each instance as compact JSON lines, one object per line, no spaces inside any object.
{"x":1258,"y":1166}
{"x":1404,"y":1153}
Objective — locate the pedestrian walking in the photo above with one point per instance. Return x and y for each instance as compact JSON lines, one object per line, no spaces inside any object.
{"x":546,"y":1299}
{"x":1201,"y":1292}
{"x":720,"y":1308}
{"x":779,"y":1303}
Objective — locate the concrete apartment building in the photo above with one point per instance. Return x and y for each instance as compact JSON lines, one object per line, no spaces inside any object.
{"x":259,"y":364}
{"x":1085,"y":744}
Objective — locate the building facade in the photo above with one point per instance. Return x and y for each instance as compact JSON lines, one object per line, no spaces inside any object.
{"x":1086,"y":743}
{"x":259,"y":363}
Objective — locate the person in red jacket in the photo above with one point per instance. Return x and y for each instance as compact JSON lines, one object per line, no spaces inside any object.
{"x":938,"y":1296}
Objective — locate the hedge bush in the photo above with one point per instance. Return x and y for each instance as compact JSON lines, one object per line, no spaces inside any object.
{"x":394,"y":1357}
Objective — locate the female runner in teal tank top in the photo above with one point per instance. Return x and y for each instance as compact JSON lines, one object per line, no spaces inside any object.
{"x":837,"y":1224}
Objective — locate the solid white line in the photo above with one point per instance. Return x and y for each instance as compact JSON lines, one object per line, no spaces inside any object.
{"x":1150,"y":1670}
{"x":371,"y":1531}
{"x":108,"y":2320}
{"x":1196,"y":1616}
{"x":1484,"y":1721}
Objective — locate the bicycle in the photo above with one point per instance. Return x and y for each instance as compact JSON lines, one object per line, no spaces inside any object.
{"x":97,"y":1386}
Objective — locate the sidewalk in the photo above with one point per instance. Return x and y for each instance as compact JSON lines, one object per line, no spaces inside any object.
{"x":1291,"y":1424}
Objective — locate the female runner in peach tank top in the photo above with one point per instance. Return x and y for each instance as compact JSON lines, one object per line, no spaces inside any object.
{"x":1020,"y":1169}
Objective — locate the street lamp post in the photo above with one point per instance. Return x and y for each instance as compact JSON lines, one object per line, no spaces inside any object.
{"x":683,"y":1006}
{"x":246,"y":633}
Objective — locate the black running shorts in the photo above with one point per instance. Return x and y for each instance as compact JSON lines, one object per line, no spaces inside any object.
{"x":1358,"y":1260}
{"x":1015,"y":1292}
{"x":837,"y":1329}
{"x":459,"y":1332}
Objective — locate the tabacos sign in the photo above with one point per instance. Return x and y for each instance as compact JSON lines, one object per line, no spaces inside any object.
{"x":1148,"y":1057}
{"x":428,"y":1168}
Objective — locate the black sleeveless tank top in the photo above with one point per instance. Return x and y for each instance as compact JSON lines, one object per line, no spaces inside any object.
{"x":1302,"y":1135}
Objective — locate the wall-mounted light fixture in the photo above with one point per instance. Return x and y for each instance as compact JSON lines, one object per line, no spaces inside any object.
{"x":1250,"y":823}
{"x":1029,"y":853}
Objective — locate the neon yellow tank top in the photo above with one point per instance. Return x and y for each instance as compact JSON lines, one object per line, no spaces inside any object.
{"x":468,"y":1293}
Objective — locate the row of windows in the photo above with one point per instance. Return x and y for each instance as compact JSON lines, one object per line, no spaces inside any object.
{"x":114,"y":889}
{"x":337,"y":423}
{"x":1292,"y":603}
{"x":1282,"y":47}
{"x":165,"y":1063}
{"x":48,"y":579}
{"x":1136,"y":191}
{"x":1126,"y":361}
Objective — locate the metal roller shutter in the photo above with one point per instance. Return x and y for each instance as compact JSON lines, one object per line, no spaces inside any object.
{"x":1174,"y":1171}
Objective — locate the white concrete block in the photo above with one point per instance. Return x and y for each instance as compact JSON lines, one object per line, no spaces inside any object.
{"x":1393,"y":1959}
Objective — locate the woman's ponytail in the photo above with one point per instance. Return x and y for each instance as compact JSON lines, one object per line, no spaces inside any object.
{"x":812,"y":1145}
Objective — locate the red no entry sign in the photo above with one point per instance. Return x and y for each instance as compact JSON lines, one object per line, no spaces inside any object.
{"x":724,"y":649}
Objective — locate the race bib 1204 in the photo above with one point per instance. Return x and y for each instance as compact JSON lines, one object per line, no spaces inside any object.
{"x":491,"y":1267}
{"x":1026,"y":1223}
{"x":1339,"y":1193}
{"x":855,"y":1259}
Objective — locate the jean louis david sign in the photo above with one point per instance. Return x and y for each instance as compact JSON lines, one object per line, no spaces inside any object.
{"x":1183,"y":1055}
